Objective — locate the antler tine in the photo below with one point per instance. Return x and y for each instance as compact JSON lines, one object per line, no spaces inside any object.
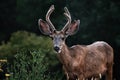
{"x":68,"y":16}
{"x":51,"y":9}
{"x":67,"y":11}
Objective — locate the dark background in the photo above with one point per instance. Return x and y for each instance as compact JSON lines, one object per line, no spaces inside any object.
{"x":100,"y":20}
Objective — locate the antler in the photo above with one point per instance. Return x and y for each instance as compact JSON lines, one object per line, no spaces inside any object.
{"x":51,"y":9}
{"x":68,"y":16}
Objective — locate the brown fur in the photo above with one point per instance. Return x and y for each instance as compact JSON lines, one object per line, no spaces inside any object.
{"x":87,"y":61}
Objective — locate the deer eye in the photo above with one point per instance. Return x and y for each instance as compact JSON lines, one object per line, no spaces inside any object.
{"x":62,"y":38}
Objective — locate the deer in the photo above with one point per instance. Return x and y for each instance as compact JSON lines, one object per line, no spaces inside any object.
{"x":79,"y":62}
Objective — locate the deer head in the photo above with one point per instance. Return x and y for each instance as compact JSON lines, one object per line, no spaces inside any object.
{"x":58,"y":37}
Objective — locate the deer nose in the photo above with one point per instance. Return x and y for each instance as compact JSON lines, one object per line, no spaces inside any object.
{"x":56,"y":48}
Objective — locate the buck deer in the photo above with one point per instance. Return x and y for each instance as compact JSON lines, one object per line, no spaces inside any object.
{"x":79,"y":62}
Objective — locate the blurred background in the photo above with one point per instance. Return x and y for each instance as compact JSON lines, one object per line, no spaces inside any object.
{"x":21,"y":42}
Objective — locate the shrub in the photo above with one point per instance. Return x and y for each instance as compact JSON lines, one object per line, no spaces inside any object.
{"x":33,"y":65}
{"x":31,"y":57}
{"x":23,"y":39}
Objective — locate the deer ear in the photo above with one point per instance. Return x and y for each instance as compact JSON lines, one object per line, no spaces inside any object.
{"x":74,"y":27}
{"x":44,"y":27}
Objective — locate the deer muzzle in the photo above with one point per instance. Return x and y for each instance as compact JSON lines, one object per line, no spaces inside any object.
{"x":56,"y":49}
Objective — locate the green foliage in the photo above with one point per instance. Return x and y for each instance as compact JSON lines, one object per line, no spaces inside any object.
{"x":33,"y":65}
{"x":23,"y":39}
{"x":30,"y":11}
{"x":98,"y":20}
{"x":31,"y":57}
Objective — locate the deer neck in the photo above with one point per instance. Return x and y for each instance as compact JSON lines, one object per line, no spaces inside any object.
{"x":64,"y":56}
